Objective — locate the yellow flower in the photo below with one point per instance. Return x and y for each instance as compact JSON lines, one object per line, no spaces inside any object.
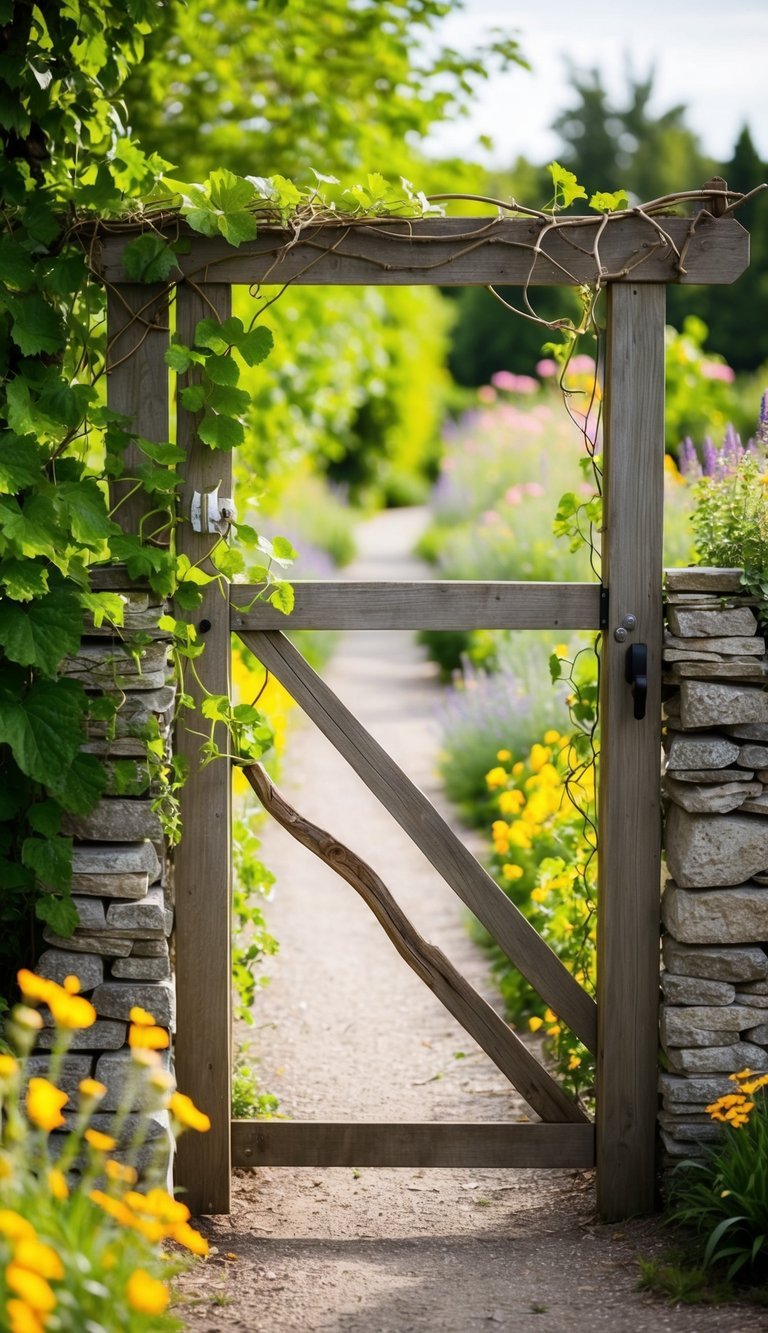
{"x":535,"y":1023}
{"x":23,"y":1319}
{"x":72,"y":1012}
{"x":35,"y":989}
{"x":561,"y":649}
{"x":123,"y":1175}
{"x":186,"y":1235}
{"x":512,"y":872}
{"x":517,"y":768}
{"x":549,"y":1016}
{"x":113,"y":1207}
{"x":551,"y":737}
{"x":31,"y":1287}
{"x":9,"y":1068}
{"x":143,"y":1037}
{"x":160,"y":1204}
{"x":91,"y":1090}
{"x":44,"y":1103}
{"x":145,"y":1293}
{"x":540,"y":894}
{"x":519,"y":836}
{"x":38,"y":1258}
{"x":504,"y":756}
{"x":574,"y":1062}
{"x":496,"y":778}
{"x":100,"y":1142}
{"x":142,"y":1017}
{"x":57,"y":1184}
{"x":511,"y":802}
{"x":743,"y":1073}
{"x":15,"y":1227}
{"x":183,"y":1109}
{"x":540,"y":755}
{"x":72,"y":985}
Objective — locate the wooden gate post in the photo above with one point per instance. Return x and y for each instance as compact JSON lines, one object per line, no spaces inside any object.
{"x":629,"y":797}
{"x":203,"y":858}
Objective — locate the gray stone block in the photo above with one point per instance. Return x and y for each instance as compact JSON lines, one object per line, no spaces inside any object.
{"x":141,"y":969}
{"x":157,"y":948}
{"x":716,"y":916}
{"x":146,"y":914}
{"x":710,"y":751}
{"x":693,"y":622}
{"x":716,"y":964}
{"x":103,"y":1035}
{"x":710,"y":798}
{"x":757,"y":731}
{"x":115,"y":999}
{"x":730,"y":646}
{"x":111,"y":666}
{"x":116,"y":820}
{"x":704,"y":1130}
{"x":680,"y":1092}
{"x":707,"y":851}
{"x":753,"y":756}
{"x":123,"y":1079}
{"x":72,"y":1070}
{"x":758,"y":1034}
{"x":703,"y":578}
{"x":116,"y":858}
{"x":679,"y":1025}
{"x":704,"y":704}
{"x":713,"y":775}
{"x":136,"y":710}
{"x":692,"y":990}
{"x":716,"y":1059}
{"x":109,"y":946}
{"x":56,"y":964}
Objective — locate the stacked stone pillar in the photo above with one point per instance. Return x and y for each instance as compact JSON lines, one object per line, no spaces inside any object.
{"x":714,"y":1016}
{"x":121,"y":883}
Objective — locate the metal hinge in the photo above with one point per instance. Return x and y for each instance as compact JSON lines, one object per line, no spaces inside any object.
{"x":604,"y":604}
{"x":211,"y":512}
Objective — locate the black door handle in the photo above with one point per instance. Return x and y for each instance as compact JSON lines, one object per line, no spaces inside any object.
{"x":636,"y":673}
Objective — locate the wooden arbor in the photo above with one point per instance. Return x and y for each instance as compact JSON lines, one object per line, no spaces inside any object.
{"x":636,"y":257}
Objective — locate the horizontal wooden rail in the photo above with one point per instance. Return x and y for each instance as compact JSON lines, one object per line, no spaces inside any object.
{"x":331,"y":1143}
{"x":430,"y":832}
{"x":462,"y":252}
{"x":478,"y":1018}
{"x":447,"y":606}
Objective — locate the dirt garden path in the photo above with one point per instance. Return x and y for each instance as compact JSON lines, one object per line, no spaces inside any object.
{"x":345,"y":1030}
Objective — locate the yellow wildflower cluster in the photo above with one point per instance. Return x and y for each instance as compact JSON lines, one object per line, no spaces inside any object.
{"x":734,"y":1108}
{"x":115,"y":1226}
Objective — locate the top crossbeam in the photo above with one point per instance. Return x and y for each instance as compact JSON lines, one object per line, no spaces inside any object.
{"x":457,"y":252}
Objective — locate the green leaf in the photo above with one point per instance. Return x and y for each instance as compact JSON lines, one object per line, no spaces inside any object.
{"x":58,"y":913}
{"x":222,"y":370}
{"x":607,"y":202}
{"x":165,"y":453}
{"x":23,"y":579}
{"x":85,"y":505}
{"x":149,"y":258}
{"x":229,"y":401}
{"x":179,"y":357}
{"x":45,"y":817}
{"x":567,"y":188}
{"x":43,"y":631}
{"x":31,"y":528}
{"x":220,"y":432}
{"x":104,"y":605}
{"x":283,"y":549}
{"x":17,"y":267}
{"x":228,"y":561}
{"x":282,"y":597}
{"x":192,"y":397}
{"x":81,"y":786}
{"x":36,"y":326}
{"x":256,"y":345}
{"x":51,"y":860}
{"x":45,"y":728}
{"x":21,"y":461}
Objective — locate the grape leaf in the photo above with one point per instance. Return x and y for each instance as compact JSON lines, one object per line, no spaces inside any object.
{"x":20,"y":464}
{"x":41,"y":632}
{"x":220,"y":432}
{"x":36,"y":326}
{"x":282,"y":597}
{"x":81,"y":786}
{"x":193,"y":397}
{"x":23,"y":579}
{"x":44,"y":728}
{"x":58,"y":913}
{"x":567,"y":188}
{"x":222,"y":370}
{"x":149,"y":258}
{"x":608,"y":202}
{"x":256,"y":345}
{"x":179,"y":357}
{"x":45,"y":817}
{"x":85,"y":505}
{"x":51,"y":860}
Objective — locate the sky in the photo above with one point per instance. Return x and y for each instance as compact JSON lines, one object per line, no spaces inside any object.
{"x":711,"y":56}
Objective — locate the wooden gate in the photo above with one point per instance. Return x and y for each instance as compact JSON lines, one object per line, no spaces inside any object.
{"x":636,"y":257}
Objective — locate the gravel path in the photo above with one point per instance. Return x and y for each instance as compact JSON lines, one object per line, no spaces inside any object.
{"x":345,"y":1030}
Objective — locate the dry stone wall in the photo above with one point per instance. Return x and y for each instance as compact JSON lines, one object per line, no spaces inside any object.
{"x":714,"y":1015}
{"x":122,"y":873}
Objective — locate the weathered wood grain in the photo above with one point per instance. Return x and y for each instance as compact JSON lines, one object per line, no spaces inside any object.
{"x":137,"y":383}
{"x":629,"y":799}
{"x":430,"y":964}
{"x":418,"y":817}
{"x":457,"y":252}
{"x":440,"y":606}
{"x":329,"y":1143}
{"x":203,"y":858}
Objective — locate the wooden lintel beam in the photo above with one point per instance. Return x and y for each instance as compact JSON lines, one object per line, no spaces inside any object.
{"x":322,"y":1143}
{"x":458,"y":252}
{"x":438,"y":606}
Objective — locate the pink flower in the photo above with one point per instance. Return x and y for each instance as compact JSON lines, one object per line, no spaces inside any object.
{"x":581,"y":365}
{"x":514,"y":495}
{"x":486,"y":394}
{"x":715,"y":370}
{"x":504,"y":379}
{"x":490,"y":517}
{"x":533,"y":488}
{"x":546,"y":369}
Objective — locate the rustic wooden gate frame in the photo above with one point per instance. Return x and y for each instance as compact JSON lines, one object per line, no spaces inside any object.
{"x":635,"y":258}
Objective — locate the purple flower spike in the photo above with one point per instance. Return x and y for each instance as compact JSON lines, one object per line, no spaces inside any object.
{"x":710,"y":457}
{"x":688,"y":460}
{"x":762,"y":421}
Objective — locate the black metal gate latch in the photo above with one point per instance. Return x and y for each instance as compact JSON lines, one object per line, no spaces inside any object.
{"x":636,"y":673}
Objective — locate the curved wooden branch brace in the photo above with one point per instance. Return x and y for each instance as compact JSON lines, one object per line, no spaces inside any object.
{"x":476,"y":1016}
